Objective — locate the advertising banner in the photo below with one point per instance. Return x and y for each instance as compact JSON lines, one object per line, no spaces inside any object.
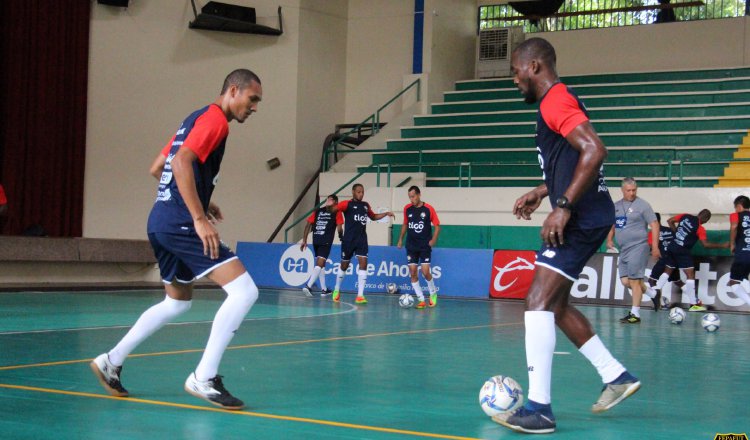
{"x":457,"y":272}
{"x":512,"y":273}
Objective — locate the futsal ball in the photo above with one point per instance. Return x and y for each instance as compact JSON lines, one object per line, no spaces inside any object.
{"x":500,"y":394}
{"x":711,"y":322}
{"x":391,"y":288}
{"x":405,"y":301}
{"x":676,"y":315}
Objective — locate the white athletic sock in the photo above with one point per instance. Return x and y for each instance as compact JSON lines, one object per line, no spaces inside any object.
{"x":150,"y":321}
{"x":361,"y":279}
{"x":663,"y":279}
{"x":418,"y":290}
{"x":241,"y":295}
{"x":540,"y":346}
{"x":431,"y":286}
{"x":339,"y":277}
{"x":607,"y":366}
{"x":741,"y":293}
{"x":322,"y":279}
{"x":648,"y":292}
{"x":689,"y":290}
{"x":635,"y":311}
{"x":314,"y":276}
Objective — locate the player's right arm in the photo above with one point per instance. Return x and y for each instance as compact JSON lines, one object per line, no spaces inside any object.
{"x":734,"y":220}
{"x":404,"y":227}
{"x":308,"y":228}
{"x":157,"y":166}
{"x":611,"y":238}
{"x":529,"y":202}
{"x":672,"y":222}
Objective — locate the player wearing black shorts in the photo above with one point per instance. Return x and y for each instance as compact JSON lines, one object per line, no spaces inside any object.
{"x":354,"y":243}
{"x":740,"y":246}
{"x":571,"y":155}
{"x":666,"y":235}
{"x":420,"y":238}
{"x":187,"y":245}
{"x":325,"y":222}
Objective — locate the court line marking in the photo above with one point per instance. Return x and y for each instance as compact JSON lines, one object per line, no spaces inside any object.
{"x":270,"y":344}
{"x":238,"y":413}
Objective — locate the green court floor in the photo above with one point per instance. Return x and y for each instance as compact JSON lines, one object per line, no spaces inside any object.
{"x":311,"y":369}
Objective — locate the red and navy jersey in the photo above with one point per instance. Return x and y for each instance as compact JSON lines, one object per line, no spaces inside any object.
{"x":204,"y":132}
{"x":560,"y":111}
{"x":689,"y":231}
{"x":418,"y":222}
{"x":356,"y":214}
{"x":324,"y":225}
{"x":666,"y":235}
{"x":742,"y":240}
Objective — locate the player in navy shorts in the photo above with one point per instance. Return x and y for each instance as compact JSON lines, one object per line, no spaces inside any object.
{"x":187,"y":245}
{"x":571,"y":155}
{"x":739,"y":242}
{"x":419,"y":217}
{"x":325,"y":222}
{"x":354,"y":243}
{"x":666,"y":235}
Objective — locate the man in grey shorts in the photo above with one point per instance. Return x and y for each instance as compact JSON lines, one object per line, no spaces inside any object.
{"x":633,"y":216}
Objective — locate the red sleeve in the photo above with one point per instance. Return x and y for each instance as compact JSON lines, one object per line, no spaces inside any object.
{"x":3,"y":198}
{"x":339,"y":218}
{"x":209,"y":130}
{"x":701,"y":233}
{"x":311,"y":219}
{"x":678,"y":217}
{"x":406,"y":221}
{"x":560,"y":110}
{"x":734,"y":217}
{"x":370,"y":212}
{"x":342,"y":206}
{"x":165,"y":150}
{"x":650,"y":238}
{"x":433,"y":215}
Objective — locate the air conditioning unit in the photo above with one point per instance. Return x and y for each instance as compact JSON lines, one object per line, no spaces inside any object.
{"x":494,"y":47}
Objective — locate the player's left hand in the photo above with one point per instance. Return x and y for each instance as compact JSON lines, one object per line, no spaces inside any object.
{"x":432,"y":243}
{"x":553,"y":227}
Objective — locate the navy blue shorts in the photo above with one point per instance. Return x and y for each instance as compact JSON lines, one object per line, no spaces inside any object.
{"x":421,"y":256}
{"x":658,"y":269}
{"x":739,"y":271}
{"x":181,"y":258}
{"x":570,"y":258}
{"x":322,"y":250}
{"x":679,"y":259}
{"x":357,"y":248}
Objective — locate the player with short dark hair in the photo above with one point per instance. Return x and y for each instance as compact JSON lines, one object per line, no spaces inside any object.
{"x":187,"y":245}
{"x":666,"y":235}
{"x":571,"y":155}
{"x":420,"y":239}
{"x":739,"y":244}
{"x":354,"y":242}
{"x":326,"y":222}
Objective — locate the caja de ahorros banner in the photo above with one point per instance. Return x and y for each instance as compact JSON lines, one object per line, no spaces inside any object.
{"x":457,"y":272}
{"x":599,"y":283}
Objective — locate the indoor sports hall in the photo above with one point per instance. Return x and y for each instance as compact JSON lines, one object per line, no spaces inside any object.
{"x":286,"y":103}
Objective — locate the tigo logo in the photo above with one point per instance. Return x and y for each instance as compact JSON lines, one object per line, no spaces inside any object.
{"x":295,"y":265}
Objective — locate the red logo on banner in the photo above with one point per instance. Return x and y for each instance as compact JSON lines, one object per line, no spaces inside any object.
{"x":512,"y":273}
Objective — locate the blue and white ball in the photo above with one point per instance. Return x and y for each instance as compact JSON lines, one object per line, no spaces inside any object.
{"x":500,"y":394}
{"x":711,"y":322}
{"x":676,"y":315}
{"x":406,"y":301}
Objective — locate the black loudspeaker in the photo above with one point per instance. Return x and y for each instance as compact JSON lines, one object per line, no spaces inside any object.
{"x":120,"y":3}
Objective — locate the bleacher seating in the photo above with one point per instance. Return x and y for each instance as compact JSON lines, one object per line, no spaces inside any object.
{"x":664,"y":128}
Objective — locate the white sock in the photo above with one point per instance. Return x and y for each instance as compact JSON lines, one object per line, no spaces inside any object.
{"x":150,"y":321}
{"x":663,"y":279}
{"x":607,"y":366}
{"x":322,"y":278}
{"x":314,"y":276}
{"x":241,"y":295}
{"x":540,"y":345}
{"x":649,"y":292}
{"x":431,"y":286}
{"x":741,"y":293}
{"x":689,"y":290}
{"x":418,"y":290}
{"x":361,"y":279}
{"x":339,"y":277}
{"x":635,"y":311}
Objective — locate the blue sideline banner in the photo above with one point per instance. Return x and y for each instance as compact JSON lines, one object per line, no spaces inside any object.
{"x":457,"y":272}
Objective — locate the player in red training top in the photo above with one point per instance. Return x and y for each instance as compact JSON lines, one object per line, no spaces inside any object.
{"x":739,"y":244}
{"x":354,"y":243}
{"x":420,"y":239}
{"x":325,"y":223}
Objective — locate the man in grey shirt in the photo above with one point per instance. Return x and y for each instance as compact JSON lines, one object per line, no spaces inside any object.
{"x":633,"y":216}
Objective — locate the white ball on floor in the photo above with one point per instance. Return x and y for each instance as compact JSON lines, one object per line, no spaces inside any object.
{"x":406,"y":301}
{"x":676,"y":315}
{"x":500,"y":394}
{"x":711,"y":322}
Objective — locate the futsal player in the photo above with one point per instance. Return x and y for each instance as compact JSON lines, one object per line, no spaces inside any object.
{"x":666,"y":235}
{"x":688,"y":229}
{"x":326,"y":223}
{"x":187,"y":246}
{"x":354,"y":243}
{"x":571,"y":155}
{"x":419,"y":217}
{"x":739,"y":244}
